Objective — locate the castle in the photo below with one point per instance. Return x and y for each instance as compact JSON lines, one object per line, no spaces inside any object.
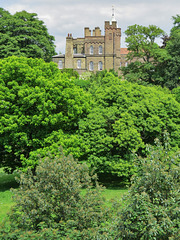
{"x":94,"y":52}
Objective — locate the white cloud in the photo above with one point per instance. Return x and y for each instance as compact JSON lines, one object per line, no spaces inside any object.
{"x":63,"y":17}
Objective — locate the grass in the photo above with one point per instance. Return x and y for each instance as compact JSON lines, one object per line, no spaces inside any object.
{"x":7,"y":181}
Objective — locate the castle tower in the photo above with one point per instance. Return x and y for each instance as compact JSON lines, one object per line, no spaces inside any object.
{"x":95,"y":51}
{"x":112,"y":43}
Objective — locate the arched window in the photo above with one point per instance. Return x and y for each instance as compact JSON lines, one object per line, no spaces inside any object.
{"x":91,"y":49}
{"x":91,"y":66}
{"x":100,"y":66}
{"x":60,"y":64}
{"x":79,"y":63}
{"x":100,"y":49}
{"x":126,"y":64}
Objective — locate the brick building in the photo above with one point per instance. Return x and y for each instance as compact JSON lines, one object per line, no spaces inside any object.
{"x":94,"y":52}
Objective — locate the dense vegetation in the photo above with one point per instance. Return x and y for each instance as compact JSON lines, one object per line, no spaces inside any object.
{"x":152,"y":206}
{"x":102,"y":121}
{"x":102,"y":125}
{"x":36,"y":101}
{"x":52,"y":199}
{"x":151,"y":64}
{"x":23,"y":34}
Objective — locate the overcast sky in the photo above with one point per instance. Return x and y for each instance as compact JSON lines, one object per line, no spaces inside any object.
{"x":71,"y":16}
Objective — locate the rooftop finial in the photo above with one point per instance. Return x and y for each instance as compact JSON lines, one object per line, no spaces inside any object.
{"x":113,"y":16}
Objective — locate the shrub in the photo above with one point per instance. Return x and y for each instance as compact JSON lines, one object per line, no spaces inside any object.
{"x":151,"y":209}
{"x":52,"y":200}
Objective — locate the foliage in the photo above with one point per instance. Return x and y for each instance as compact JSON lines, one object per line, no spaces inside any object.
{"x":144,"y":53}
{"x":52,"y":201}
{"x":36,"y":100}
{"x":151,"y":64}
{"x":71,"y":143}
{"x":172,"y":66}
{"x":23,"y":34}
{"x":70,"y":72}
{"x":151,"y":207}
{"x":176,"y":92}
{"x":125,"y":116}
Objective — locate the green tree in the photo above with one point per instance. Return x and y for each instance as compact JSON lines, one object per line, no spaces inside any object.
{"x":23,"y":34}
{"x":124,"y":118}
{"x":171,"y":69}
{"x":145,"y":55}
{"x":52,"y":199}
{"x":36,"y":100}
{"x":151,"y":209}
{"x":176,"y":92}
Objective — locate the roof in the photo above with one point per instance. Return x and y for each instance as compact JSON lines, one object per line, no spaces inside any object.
{"x":79,"y":55}
{"x":124,"y":51}
{"x":59,"y":56}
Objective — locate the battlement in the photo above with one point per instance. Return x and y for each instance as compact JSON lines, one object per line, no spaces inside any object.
{"x":87,"y":32}
{"x":96,"y":32}
{"x":108,"y":24}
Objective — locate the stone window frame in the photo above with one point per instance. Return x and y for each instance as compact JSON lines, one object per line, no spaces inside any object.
{"x":91,"y":49}
{"x":91,"y":66}
{"x":60,"y":64}
{"x":100,"y":66}
{"x":100,"y":49}
{"x":74,"y":50}
{"x":79,"y":63}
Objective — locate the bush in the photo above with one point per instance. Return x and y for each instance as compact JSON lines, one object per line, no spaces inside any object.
{"x":151,"y":209}
{"x":52,"y":200}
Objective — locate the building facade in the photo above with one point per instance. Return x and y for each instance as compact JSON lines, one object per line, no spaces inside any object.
{"x":95,"y":52}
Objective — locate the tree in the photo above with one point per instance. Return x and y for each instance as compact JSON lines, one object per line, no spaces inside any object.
{"x":151,"y":209}
{"x":23,"y":34}
{"x":171,"y":68}
{"x":144,"y":53}
{"x":176,"y":92}
{"x":37,"y":100}
{"x":51,"y":200}
{"x":124,"y":118}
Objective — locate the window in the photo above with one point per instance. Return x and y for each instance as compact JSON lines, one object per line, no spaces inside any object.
{"x":91,"y":66}
{"x":120,"y":64}
{"x":79,"y":63}
{"x":110,"y":36}
{"x":75,"y":50}
{"x":91,"y":49}
{"x":126,"y":64}
{"x":60,"y":64}
{"x":100,"y":49}
{"x":100,"y":66}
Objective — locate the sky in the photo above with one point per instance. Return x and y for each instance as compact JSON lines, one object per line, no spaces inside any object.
{"x":71,"y":16}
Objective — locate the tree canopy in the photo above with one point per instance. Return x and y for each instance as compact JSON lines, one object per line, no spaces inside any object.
{"x":124,"y":118}
{"x":171,"y":68}
{"x":144,"y":53}
{"x":36,"y":100}
{"x":150,"y":63}
{"x":23,"y":34}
